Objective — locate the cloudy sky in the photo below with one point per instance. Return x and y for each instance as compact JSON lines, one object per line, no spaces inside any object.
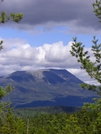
{"x":44,"y":36}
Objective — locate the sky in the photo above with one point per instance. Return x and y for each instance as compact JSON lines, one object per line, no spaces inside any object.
{"x":44,"y":36}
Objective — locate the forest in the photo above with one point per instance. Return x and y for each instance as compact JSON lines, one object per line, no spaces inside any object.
{"x":86,"y":120}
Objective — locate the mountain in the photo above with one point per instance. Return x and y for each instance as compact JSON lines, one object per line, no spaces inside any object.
{"x":48,"y":87}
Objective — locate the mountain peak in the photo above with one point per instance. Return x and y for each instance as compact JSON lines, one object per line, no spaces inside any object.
{"x":38,"y":74}
{"x":45,"y":85}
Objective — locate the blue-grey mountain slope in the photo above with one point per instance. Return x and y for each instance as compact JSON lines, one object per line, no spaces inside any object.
{"x":46,"y":88}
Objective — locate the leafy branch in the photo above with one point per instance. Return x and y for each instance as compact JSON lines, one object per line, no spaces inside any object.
{"x":92,"y":68}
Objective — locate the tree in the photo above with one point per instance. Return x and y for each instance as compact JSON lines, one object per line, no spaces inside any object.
{"x":3,"y":19}
{"x":9,"y":123}
{"x":92,"y":68}
{"x":97,"y":8}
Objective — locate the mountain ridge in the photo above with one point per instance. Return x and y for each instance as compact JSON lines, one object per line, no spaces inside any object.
{"x":48,"y":85}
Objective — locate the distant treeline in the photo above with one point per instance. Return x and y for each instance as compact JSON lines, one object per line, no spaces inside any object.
{"x":31,"y":112}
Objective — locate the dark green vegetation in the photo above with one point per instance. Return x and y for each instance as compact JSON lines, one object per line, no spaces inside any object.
{"x":46,"y":88}
{"x":85,"y":121}
{"x":32,"y":112}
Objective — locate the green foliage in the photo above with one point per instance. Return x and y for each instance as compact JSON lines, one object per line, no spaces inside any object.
{"x":90,"y":115}
{"x":5,"y":18}
{"x":1,"y":45}
{"x":15,"y":17}
{"x":32,"y":112}
{"x":94,"y":115}
{"x":10,"y":123}
{"x":5,"y":91}
{"x":97,"y":8}
{"x":1,"y":93}
{"x":92,"y":68}
{"x":86,"y":121}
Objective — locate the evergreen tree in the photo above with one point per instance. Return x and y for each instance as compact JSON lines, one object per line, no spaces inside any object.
{"x":92,"y":118}
{"x":9,"y":123}
{"x":92,"y":68}
{"x":3,"y":19}
{"x":97,"y":8}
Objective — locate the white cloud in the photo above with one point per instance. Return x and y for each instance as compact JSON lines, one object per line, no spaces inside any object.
{"x":19,"y":55}
{"x":53,"y":54}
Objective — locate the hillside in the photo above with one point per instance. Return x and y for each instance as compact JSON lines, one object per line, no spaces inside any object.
{"x":46,"y":88}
